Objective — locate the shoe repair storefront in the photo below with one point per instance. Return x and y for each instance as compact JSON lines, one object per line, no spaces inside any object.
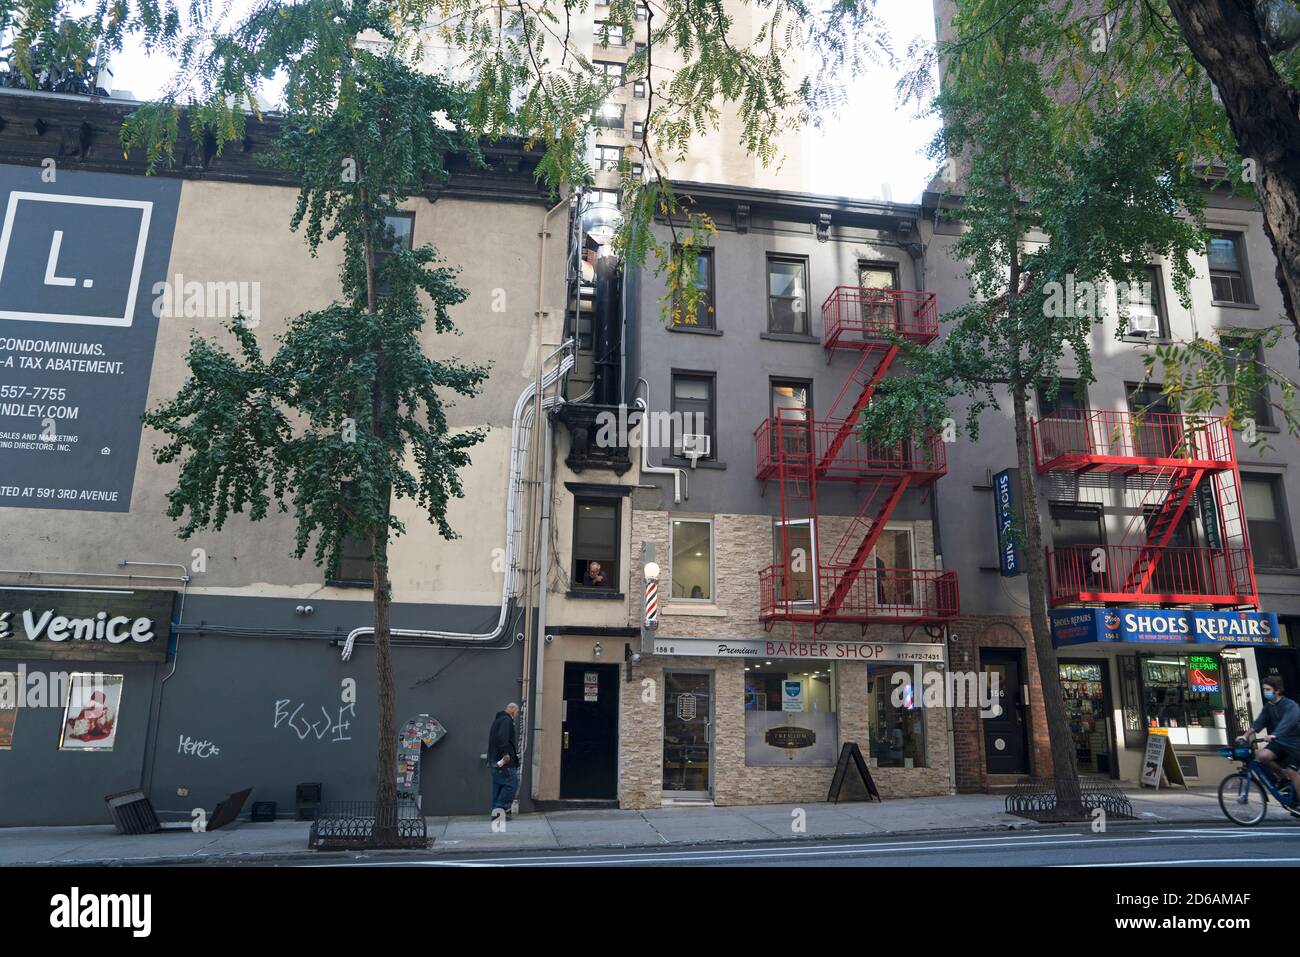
{"x":1186,"y":675}
{"x":78,"y":671}
{"x":763,"y":721}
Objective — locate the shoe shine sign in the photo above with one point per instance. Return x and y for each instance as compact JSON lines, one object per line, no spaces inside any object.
{"x":85,"y":626}
{"x":1079,"y":626}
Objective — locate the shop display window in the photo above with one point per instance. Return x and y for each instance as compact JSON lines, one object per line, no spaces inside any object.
{"x":1184,"y":693}
{"x":790,"y":713}
{"x":1083,"y":686}
{"x":897,"y":718}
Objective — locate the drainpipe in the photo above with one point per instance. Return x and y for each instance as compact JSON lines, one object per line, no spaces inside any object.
{"x":917,"y":252}
{"x":543,"y":568}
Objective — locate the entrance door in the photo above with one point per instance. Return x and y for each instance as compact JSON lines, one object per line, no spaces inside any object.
{"x":688,"y":734}
{"x":1006,"y":749}
{"x":589,"y":733}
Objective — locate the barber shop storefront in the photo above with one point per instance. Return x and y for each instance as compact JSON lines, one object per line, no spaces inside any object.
{"x":759,"y":721}
{"x":1186,"y":675}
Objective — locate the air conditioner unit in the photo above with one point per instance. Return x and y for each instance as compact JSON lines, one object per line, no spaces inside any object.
{"x":1143,"y":324}
{"x":693,"y":447}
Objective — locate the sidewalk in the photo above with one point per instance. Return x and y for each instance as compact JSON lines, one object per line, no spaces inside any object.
{"x":559,"y":830}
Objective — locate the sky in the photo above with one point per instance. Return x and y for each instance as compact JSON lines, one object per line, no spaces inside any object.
{"x":872,"y":150}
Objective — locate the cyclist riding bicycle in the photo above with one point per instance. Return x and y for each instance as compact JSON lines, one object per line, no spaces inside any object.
{"x":1281,"y":716}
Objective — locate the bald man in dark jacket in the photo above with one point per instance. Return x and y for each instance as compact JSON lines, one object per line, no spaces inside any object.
{"x":503,"y":755}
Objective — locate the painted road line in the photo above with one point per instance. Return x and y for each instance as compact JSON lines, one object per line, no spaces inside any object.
{"x":1173,"y":862}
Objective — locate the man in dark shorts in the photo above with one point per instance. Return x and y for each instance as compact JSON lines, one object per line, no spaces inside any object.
{"x":1281,"y":716}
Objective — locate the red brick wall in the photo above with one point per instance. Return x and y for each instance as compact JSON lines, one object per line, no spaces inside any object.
{"x":970,"y":635}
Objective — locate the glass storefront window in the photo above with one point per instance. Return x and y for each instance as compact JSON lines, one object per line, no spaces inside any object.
{"x":1184,"y":693}
{"x":1083,"y":685}
{"x":897,"y":718}
{"x":790,"y":716}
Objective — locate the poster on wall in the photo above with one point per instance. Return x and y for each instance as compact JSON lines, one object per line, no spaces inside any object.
{"x":90,"y":718}
{"x":9,"y":691}
{"x":81,"y":259}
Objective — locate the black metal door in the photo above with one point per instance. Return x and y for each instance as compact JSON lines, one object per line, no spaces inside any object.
{"x":1006,"y":745}
{"x":589,"y":733}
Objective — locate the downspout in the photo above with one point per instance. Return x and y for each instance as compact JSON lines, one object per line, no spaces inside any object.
{"x":917,"y":252}
{"x":680,"y":486}
{"x":543,"y":566}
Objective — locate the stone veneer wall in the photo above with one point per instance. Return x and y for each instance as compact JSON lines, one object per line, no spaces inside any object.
{"x":742,"y":546}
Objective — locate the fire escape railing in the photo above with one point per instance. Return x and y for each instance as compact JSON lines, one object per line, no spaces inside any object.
{"x":1189,"y":466}
{"x":798,"y":451}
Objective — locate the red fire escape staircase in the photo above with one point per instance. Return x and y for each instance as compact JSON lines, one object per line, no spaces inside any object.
{"x":800,"y":452}
{"x":1178,"y":456}
{"x":1161,"y":528}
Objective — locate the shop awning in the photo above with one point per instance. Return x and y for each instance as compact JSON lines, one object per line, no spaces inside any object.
{"x":1083,"y":626}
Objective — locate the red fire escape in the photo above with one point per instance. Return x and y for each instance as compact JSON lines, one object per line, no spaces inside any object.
{"x":800,"y":452}
{"x":1178,"y":468}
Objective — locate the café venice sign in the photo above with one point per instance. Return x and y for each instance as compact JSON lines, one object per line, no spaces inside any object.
{"x":85,"y":625}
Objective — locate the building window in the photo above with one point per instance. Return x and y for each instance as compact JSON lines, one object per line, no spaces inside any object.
{"x":642,"y":13}
{"x":790,"y":713}
{"x":355,"y":566}
{"x":897,"y":717}
{"x":638,"y":49}
{"x":787,"y":295}
{"x":610,"y":34}
{"x":1076,"y":531}
{"x":1156,"y":434}
{"x":693,"y":415}
{"x":638,"y":129}
{"x":1270,"y":539}
{"x":794,"y":553}
{"x":602,"y":197}
{"x":608,"y":158}
{"x":610,"y":115}
{"x":691,"y":547}
{"x":399,"y":233}
{"x":638,"y":170}
{"x":1184,"y":693}
{"x":704,"y":282}
{"x":638,"y":89}
{"x":1063,"y":419}
{"x":1246,"y":365}
{"x":1145,"y":302}
{"x":1229,"y":281}
{"x":595,"y":543}
{"x":612,"y":71}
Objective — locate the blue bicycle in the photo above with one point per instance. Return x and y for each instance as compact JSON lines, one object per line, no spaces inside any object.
{"x":1244,"y":795}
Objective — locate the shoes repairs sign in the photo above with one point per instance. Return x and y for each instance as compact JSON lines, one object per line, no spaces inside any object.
{"x":80,"y":259}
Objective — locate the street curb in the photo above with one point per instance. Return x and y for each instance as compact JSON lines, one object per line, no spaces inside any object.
{"x":359,"y":857}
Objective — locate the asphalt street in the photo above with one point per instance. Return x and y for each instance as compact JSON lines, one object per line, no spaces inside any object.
{"x":1133,"y":847}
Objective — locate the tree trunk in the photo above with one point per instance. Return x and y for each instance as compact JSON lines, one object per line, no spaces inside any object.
{"x":386,"y":776}
{"x":1065,"y":777}
{"x":1264,"y":111}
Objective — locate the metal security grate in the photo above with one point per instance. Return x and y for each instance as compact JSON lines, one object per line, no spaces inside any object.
{"x":1036,"y":800}
{"x":346,"y":825}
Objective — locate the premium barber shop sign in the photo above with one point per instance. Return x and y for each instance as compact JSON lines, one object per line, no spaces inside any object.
{"x":107,"y":625}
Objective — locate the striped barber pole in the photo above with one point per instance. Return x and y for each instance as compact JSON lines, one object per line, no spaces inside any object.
{"x":651,"y":603}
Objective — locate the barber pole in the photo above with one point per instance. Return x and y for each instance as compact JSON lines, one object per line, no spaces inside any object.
{"x":651,"y":603}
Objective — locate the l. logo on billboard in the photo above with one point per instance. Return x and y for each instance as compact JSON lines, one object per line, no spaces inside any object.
{"x":74,"y":259}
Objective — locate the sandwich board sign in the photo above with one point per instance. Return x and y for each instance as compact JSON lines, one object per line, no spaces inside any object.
{"x":1159,"y":761}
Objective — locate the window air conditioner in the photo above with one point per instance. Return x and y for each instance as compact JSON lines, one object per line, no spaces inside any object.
{"x":1143,"y":324}
{"x":691,"y":446}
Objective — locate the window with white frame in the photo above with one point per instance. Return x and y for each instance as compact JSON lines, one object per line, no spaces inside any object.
{"x":691,"y":548}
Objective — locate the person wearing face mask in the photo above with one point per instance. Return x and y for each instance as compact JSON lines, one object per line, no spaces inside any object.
{"x":1281,"y":716}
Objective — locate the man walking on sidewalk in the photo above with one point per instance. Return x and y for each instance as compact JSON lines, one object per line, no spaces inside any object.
{"x":504,"y":758}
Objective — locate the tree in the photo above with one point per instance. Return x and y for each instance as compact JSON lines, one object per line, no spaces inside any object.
{"x":1229,"y":68}
{"x":1048,"y":220}
{"x":329,"y":423}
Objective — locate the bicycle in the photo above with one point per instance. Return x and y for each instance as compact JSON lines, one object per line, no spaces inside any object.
{"x":1243,"y":796}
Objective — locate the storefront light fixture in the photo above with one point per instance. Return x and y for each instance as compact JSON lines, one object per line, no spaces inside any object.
{"x":652,"y":571}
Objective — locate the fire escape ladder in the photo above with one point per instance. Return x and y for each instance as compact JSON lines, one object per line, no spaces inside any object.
{"x":798,"y":489}
{"x":865,"y":378}
{"x":869,"y":524}
{"x":1164,"y":521}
